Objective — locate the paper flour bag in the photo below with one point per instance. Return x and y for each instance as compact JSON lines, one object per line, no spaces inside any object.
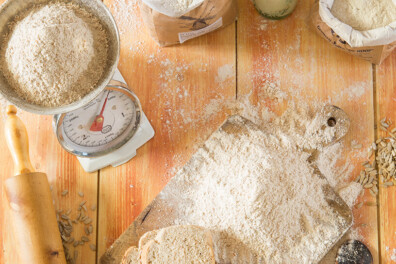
{"x":176,"y":21}
{"x":373,"y":45}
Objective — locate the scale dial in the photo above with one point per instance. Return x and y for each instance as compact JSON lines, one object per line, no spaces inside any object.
{"x":103,"y":125}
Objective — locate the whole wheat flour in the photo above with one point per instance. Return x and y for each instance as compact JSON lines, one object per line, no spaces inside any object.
{"x":54,"y":54}
{"x":260,"y":197}
{"x":365,"y":14}
{"x":297,"y":126}
{"x":173,"y":7}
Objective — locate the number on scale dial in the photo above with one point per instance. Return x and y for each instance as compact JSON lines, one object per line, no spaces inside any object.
{"x":101,"y":121}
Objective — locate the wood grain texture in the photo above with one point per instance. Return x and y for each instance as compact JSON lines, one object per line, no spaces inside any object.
{"x":63,"y":172}
{"x":267,"y":51}
{"x":17,"y":142}
{"x":33,"y":215}
{"x":30,"y":201}
{"x":386,"y":107}
{"x":288,"y":54}
{"x":174,"y":85}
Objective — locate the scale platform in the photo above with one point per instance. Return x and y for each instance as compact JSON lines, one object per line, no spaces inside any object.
{"x":122,"y":155}
{"x":125,"y":153}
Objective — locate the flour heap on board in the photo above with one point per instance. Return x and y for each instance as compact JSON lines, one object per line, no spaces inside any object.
{"x":257,"y":192}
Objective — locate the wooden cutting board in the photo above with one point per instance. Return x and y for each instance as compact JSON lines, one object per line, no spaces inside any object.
{"x":162,"y":212}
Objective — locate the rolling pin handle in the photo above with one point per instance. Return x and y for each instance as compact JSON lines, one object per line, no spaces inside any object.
{"x":11,"y":110}
{"x":18,"y":142}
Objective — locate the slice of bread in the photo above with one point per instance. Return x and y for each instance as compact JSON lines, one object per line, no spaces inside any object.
{"x":147,"y":237}
{"x":131,"y":256}
{"x":178,"y":245}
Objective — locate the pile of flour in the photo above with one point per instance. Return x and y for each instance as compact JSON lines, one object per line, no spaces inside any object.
{"x":174,"y":8}
{"x":54,"y":54}
{"x":299,"y":125}
{"x":261,"y":198}
{"x":365,"y":14}
{"x":302,"y":126}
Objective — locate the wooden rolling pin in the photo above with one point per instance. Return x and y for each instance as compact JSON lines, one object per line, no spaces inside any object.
{"x":34,"y":224}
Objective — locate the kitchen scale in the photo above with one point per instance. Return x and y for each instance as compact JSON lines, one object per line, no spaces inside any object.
{"x":108,"y":130}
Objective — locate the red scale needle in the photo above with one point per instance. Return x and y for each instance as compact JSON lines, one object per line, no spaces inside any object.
{"x":97,"y":124}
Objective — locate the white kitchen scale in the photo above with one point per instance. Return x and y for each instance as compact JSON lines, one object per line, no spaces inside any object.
{"x":108,"y":130}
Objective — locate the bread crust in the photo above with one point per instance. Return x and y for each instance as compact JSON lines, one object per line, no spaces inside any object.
{"x":143,"y":253}
{"x":209,"y":240}
{"x":147,"y":237}
{"x":130,"y":255}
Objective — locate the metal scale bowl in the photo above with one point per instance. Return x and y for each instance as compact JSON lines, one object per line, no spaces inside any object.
{"x":119,"y":149}
{"x":12,"y":8}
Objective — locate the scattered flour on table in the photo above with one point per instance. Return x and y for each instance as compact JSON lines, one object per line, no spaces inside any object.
{"x":126,"y":13}
{"x":225,"y":72}
{"x":171,"y":72}
{"x":263,"y":26}
{"x":365,"y":15}
{"x":55,"y":54}
{"x":350,"y":193}
{"x":354,"y":233}
{"x":393,"y":256}
{"x":328,"y":163}
{"x":353,"y":92}
{"x":357,"y":90}
{"x":272,"y":91}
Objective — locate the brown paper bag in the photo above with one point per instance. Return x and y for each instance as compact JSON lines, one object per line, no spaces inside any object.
{"x":209,"y":16}
{"x":373,"y":54}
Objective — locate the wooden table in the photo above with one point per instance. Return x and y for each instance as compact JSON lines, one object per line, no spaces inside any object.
{"x":176,"y":85}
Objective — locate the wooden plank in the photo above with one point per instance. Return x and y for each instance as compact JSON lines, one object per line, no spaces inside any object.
{"x":386,"y":107}
{"x":289,"y":55}
{"x":174,"y":85}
